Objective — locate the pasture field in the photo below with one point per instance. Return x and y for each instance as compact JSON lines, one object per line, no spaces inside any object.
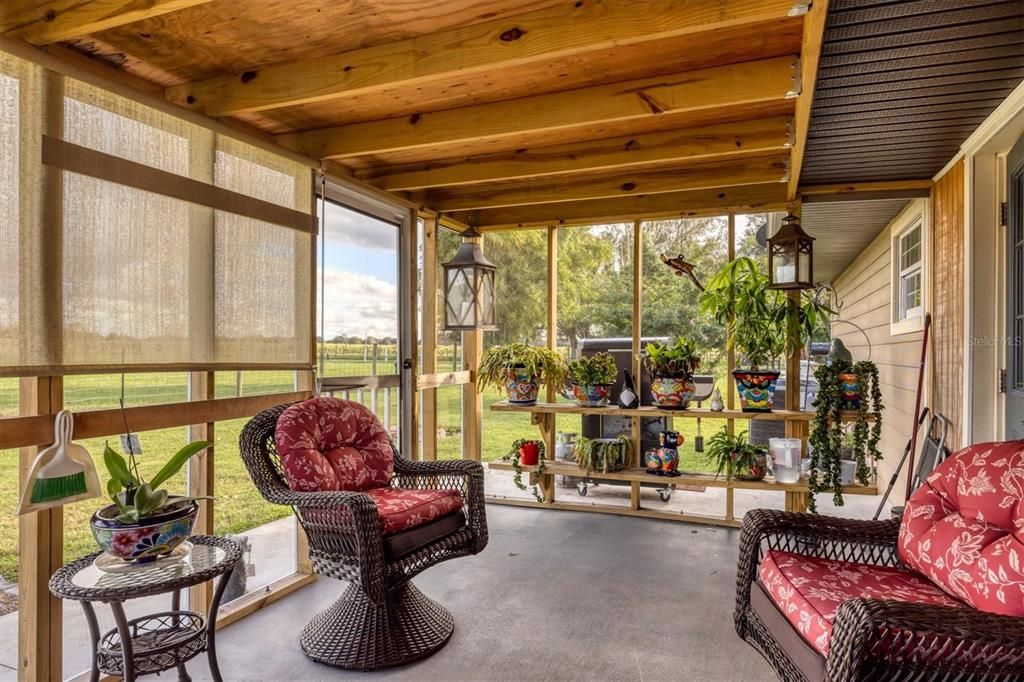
{"x":238,"y":506}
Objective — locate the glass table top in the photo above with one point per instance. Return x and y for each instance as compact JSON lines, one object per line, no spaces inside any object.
{"x":105,"y":576}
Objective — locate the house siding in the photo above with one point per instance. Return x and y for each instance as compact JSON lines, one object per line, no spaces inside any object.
{"x":863,"y":324}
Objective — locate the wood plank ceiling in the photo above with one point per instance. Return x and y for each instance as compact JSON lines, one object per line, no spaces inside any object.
{"x":495,"y":112}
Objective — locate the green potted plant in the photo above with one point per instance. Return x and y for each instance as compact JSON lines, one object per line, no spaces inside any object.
{"x":840,"y":433}
{"x":758,"y":326}
{"x":737,"y":457}
{"x":671,"y":368}
{"x":529,"y":453}
{"x":603,"y":454}
{"x":144,"y":522}
{"x":591,"y":379}
{"x":520,"y":369}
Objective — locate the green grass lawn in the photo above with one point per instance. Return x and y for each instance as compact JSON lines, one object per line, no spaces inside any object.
{"x":238,"y":506}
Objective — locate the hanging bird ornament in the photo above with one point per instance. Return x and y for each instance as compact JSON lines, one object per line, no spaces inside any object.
{"x":838,"y":352}
{"x":682,"y":268}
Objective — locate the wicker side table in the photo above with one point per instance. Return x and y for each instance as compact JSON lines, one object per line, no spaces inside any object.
{"x":157,"y":642}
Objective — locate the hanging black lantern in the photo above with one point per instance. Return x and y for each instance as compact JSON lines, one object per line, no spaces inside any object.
{"x":469,"y":302}
{"x":791,"y":256}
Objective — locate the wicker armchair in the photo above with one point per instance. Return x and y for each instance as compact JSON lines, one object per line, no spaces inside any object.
{"x":871,"y":639}
{"x":381,"y":619}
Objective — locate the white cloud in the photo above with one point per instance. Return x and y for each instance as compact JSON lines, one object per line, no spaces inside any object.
{"x":359,"y":304}
{"x":351,"y":229}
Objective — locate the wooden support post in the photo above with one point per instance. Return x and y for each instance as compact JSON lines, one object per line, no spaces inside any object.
{"x":546,"y":482}
{"x":794,"y":429}
{"x":41,"y":534}
{"x":636,"y":432}
{"x":549,"y":427}
{"x":428,"y":336}
{"x":730,"y":365}
{"x":40,"y":553}
{"x":201,"y":386}
{"x":472,"y":401}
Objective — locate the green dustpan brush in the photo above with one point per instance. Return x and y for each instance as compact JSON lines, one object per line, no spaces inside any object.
{"x":61,"y":473}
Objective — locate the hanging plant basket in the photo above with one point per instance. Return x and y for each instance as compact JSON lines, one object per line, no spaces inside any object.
{"x":847,"y":426}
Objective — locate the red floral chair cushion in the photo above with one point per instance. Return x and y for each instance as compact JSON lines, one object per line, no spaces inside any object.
{"x":400,"y":509}
{"x":964,"y":528}
{"x":331,"y":444}
{"x":809,"y":590}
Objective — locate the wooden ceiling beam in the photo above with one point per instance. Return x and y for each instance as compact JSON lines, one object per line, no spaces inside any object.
{"x":724,"y":89}
{"x":810,"y":54}
{"x":606,"y":185}
{"x":725,"y":141}
{"x":765,"y":197}
{"x":43,"y":23}
{"x":568,"y":30}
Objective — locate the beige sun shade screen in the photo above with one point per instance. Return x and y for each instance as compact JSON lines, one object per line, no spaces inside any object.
{"x":166,"y":245}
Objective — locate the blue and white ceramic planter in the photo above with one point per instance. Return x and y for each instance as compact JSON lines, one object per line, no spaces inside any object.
{"x":149,"y":539}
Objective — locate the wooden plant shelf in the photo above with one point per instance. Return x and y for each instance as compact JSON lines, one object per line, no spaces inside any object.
{"x":544,"y":415}
{"x":655,"y":413}
{"x":639,"y":474}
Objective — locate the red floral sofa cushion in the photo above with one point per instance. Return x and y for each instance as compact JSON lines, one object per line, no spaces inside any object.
{"x":400,"y":509}
{"x":331,"y":444}
{"x":809,"y":590}
{"x":964,"y":527}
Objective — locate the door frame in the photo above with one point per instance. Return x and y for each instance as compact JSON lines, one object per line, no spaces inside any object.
{"x":404,"y":218}
{"x":1015,"y":218}
{"x":985,"y":260}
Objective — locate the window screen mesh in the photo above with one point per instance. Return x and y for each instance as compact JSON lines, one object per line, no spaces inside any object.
{"x":99,"y":274}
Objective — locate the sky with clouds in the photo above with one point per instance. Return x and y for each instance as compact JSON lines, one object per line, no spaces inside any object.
{"x":360,"y":275}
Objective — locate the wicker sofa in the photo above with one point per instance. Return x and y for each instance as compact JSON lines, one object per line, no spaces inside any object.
{"x":936,"y":596}
{"x":373,"y":519}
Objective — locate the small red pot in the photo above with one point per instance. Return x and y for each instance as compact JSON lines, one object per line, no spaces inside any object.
{"x":529,"y":453}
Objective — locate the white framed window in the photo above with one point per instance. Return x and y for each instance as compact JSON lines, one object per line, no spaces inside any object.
{"x":909,"y":269}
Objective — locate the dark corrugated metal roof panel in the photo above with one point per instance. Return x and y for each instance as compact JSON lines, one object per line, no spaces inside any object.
{"x":843,"y":229}
{"x":902,"y":83}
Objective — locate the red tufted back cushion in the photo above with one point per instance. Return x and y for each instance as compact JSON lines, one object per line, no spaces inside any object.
{"x":964,"y":528}
{"x":331,"y":444}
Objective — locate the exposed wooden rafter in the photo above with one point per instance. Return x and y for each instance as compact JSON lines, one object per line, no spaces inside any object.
{"x":724,"y":90}
{"x":810,"y":54}
{"x":43,"y":23}
{"x":768,"y":196}
{"x":568,"y":30}
{"x":726,"y":141}
{"x":609,"y":184}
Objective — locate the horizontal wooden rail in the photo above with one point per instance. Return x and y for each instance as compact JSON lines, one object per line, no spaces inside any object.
{"x":425,"y":381}
{"x":17,"y":432}
{"x":363,"y":383}
{"x":95,"y":164}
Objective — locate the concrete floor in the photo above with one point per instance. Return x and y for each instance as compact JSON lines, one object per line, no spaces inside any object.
{"x":554,"y":596}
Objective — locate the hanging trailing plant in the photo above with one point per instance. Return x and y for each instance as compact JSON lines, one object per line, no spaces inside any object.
{"x":828,"y":430}
{"x":514,"y":455}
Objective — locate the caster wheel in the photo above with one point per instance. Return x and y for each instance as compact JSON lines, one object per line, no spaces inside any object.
{"x":665,"y":495}
{"x":582,"y":489}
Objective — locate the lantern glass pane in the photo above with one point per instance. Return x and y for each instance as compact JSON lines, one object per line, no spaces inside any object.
{"x":804,"y":262}
{"x":784,"y":266}
{"x":459,"y":310}
{"x":487,"y":297}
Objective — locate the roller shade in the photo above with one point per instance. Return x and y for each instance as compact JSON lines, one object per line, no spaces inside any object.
{"x":134,"y":240}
